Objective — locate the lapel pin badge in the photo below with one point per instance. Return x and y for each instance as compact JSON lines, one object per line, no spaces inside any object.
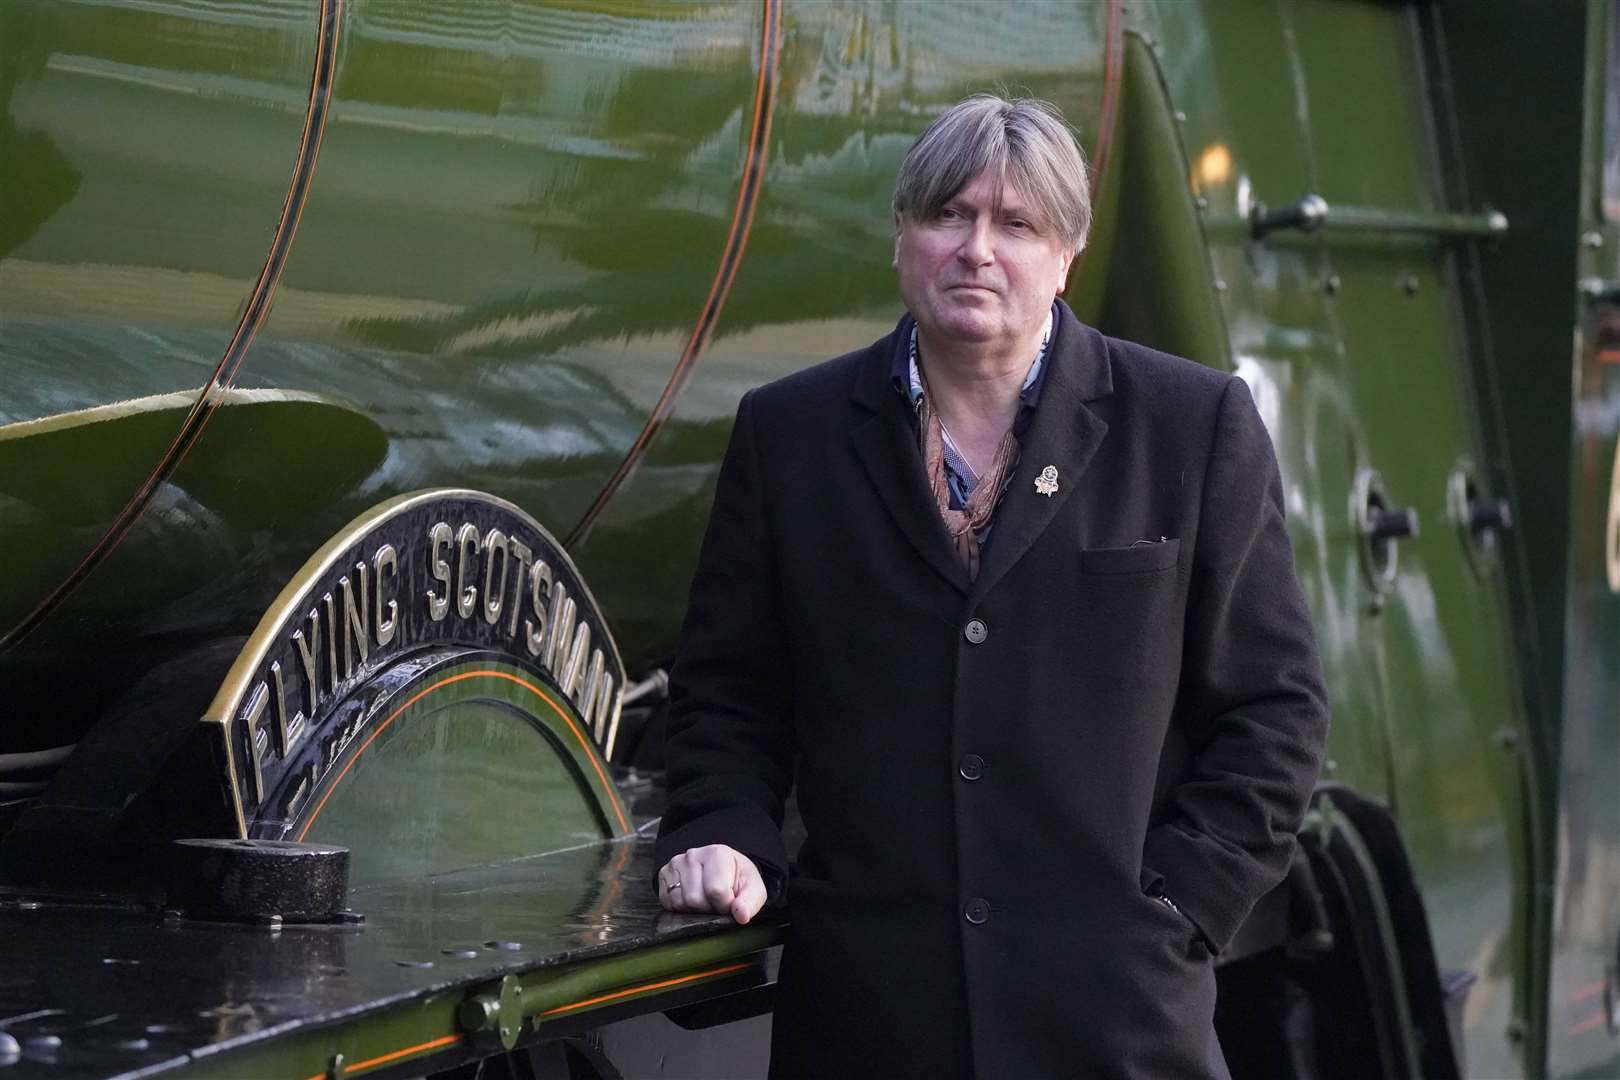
{"x":1046,"y":483}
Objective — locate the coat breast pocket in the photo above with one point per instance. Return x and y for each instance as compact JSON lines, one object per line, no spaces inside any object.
{"x":1128,"y":604}
{"x":1133,"y":559}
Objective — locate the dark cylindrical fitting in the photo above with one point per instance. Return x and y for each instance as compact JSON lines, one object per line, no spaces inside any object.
{"x":1490,"y":514}
{"x":1392,"y":524}
{"x":253,"y":880}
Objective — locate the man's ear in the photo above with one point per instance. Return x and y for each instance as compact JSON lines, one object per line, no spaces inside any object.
{"x":1068,"y":267}
{"x":894,"y":263}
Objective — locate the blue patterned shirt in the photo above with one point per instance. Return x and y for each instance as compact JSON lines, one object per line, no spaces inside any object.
{"x":959,"y":475}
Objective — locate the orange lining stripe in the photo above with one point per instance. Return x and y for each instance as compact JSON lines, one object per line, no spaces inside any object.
{"x":446,"y":1040}
{"x":756,"y":159}
{"x":1591,"y":1023}
{"x":383,"y":1059}
{"x":1591,"y":990}
{"x":575,"y":1006}
{"x":613,"y":794}
{"x":1108,"y":114}
{"x":254,"y":313}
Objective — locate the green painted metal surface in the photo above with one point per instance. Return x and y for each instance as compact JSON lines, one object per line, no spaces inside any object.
{"x":442,"y":1030}
{"x":1583,"y":1011}
{"x":531,"y":224}
{"x":407,"y":807}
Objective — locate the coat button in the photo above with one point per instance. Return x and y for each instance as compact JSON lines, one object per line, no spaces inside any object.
{"x":975,"y":631}
{"x":977,"y":911}
{"x":972,"y":767}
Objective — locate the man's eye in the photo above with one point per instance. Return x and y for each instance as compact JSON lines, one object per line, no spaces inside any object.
{"x":1017,"y":223}
{"x":947,"y":214}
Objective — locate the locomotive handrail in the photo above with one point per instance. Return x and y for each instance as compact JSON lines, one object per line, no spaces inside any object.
{"x":1313,"y":213}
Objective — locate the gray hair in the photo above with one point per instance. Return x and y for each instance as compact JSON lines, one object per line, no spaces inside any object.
{"x":1021,"y":141}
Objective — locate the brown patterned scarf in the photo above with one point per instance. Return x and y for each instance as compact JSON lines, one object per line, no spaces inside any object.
{"x":962,"y":526}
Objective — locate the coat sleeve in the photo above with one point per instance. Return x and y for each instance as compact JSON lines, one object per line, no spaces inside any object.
{"x":729,"y":751}
{"x":1251,"y":700}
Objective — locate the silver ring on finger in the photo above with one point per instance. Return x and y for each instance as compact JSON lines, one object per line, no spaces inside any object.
{"x":674,"y":884}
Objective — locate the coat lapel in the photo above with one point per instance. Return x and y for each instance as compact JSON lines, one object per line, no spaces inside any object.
{"x":1064,"y":434}
{"x":887,"y":446}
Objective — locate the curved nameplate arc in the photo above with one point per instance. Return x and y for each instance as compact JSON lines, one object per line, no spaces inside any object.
{"x":439,"y":667}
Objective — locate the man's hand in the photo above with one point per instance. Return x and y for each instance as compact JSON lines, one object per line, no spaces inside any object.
{"x":714,"y":878}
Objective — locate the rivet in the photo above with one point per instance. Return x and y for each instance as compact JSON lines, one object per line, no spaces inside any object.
{"x":460,"y":954}
{"x":414,"y":963}
{"x":42,"y":1042}
{"x":1201,"y":203}
{"x":1592,"y":239}
{"x":1181,"y":117}
{"x":1407,"y":283}
{"x":505,"y":946}
{"x":1330,"y":284}
{"x":134,"y":1044}
{"x":1220,"y":284}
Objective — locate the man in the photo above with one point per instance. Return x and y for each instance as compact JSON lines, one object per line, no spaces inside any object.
{"x":1015,"y":605}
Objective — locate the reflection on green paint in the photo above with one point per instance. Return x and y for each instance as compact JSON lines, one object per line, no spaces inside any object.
{"x":411,"y":804}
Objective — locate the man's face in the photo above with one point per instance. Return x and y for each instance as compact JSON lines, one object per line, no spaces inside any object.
{"x":976,"y":273}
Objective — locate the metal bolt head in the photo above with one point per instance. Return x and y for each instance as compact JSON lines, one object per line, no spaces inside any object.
{"x":1313,"y":210}
{"x":1407,"y":282}
{"x":1592,"y":239}
{"x":1181,"y":117}
{"x":1331,"y":284}
{"x":1220,"y":284}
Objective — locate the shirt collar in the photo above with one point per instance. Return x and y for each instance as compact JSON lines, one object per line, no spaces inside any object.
{"x":908,"y":380}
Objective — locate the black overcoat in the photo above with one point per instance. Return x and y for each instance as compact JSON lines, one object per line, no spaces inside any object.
{"x":994,"y":776}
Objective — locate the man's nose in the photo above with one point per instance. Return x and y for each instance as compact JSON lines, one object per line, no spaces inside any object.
{"x":976,"y":249}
